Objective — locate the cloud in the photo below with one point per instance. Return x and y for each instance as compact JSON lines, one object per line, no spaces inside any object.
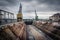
{"x":42,"y":5}
{"x":53,"y":5}
{"x":8,"y":2}
{"x":30,"y":5}
{"x":25,"y":0}
{"x":52,"y":2}
{"x":47,"y":7}
{"x":9,"y":5}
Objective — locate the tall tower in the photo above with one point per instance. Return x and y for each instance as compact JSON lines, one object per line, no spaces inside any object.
{"x":20,"y":8}
{"x":19,"y":15}
{"x":36,"y":17}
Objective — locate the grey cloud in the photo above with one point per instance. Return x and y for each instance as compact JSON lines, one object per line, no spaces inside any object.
{"x":49,"y":8}
{"x":15,"y":2}
{"x":53,"y":5}
{"x":25,"y":0}
{"x":54,"y":2}
{"x":3,"y":3}
{"x":8,"y":2}
{"x":9,"y":5}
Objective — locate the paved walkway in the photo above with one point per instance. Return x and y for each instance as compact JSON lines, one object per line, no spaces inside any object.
{"x":36,"y":34}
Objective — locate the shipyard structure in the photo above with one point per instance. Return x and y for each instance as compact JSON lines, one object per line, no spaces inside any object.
{"x":19,"y":15}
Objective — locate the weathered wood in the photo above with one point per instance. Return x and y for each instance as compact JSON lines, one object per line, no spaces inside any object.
{"x":49,"y":29}
{"x":16,"y":31}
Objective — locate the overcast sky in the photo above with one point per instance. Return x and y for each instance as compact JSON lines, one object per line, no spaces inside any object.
{"x":45,"y":8}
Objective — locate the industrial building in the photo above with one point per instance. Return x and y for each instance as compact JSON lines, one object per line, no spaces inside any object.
{"x":55,"y":17}
{"x":6,"y":17}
